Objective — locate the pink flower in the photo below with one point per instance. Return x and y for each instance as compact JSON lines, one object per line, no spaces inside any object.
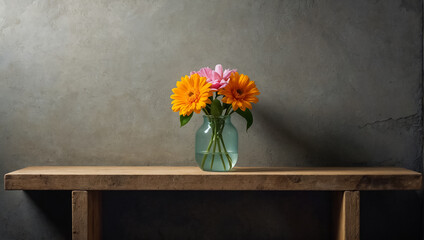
{"x":217,"y":77}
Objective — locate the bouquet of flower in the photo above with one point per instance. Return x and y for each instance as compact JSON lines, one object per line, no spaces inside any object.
{"x":218,"y":93}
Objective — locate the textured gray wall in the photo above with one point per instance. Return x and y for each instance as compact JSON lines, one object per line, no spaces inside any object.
{"x":88,"y":83}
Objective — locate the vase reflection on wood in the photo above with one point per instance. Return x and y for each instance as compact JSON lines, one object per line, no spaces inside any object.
{"x":216,"y":144}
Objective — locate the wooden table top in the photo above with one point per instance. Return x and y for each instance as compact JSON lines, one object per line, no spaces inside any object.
{"x":192,"y":178}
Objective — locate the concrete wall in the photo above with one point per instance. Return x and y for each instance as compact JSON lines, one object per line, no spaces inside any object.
{"x":88,"y":83}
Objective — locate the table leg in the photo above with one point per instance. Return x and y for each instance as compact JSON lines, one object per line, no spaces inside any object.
{"x":346,"y":215}
{"x":86,"y":215}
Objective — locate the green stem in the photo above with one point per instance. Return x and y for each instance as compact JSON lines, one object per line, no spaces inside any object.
{"x":230,"y":161}
{"x":207,"y":152}
{"x":220,"y":154}
{"x":228,"y":109}
{"x":205,"y":111}
{"x":214,"y":145}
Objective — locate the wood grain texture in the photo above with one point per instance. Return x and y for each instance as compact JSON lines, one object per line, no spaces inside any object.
{"x":192,"y":178}
{"x":346,"y":209}
{"x":86,"y":215}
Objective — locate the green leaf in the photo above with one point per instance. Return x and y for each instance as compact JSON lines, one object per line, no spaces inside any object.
{"x":208,"y":107}
{"x":216,"y":108}
{"x":185,"y":119}
{"x":246,"y":115}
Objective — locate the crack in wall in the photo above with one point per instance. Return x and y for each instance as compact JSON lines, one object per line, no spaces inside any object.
{"x":406,"y":120}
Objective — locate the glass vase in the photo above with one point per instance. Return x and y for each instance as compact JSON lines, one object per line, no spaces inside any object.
{"x":216,"y":144}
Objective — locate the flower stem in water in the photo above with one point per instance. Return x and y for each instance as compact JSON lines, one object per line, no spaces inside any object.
{"x":206,"y":155}
{"x":220,"y":154}
{"x":214,"y":146}
{"x":226,"y":153}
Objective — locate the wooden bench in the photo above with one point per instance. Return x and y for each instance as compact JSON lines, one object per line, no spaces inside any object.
{"x":87,"y":182}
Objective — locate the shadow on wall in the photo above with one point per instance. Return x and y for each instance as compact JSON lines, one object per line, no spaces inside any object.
{"x":234,"y":214}
{"x":319,"y":148}
{"x":196,"y":214}
{"x":57,"y":208}
{"x":391,"y":215}
{"x":215,"y":215}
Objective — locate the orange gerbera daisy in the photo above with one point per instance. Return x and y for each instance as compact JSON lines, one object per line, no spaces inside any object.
{"x":192,"y":94}
{"x":240,"y":92}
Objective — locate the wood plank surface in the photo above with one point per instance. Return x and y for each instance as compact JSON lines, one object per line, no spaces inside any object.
{"x":86,"y":215}
{"x":192,"y":178}
{"x":346,"y":209}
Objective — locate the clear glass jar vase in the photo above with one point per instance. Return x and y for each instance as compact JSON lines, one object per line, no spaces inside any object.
{"x":216,"y":144}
